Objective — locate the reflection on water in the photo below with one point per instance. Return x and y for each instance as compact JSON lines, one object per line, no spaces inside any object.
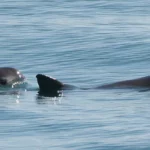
{"x":53,"y":97}
{"x":48,"y":100}
{"x":54,"y":93}
{"x":9,"y":92}
{"x":11,"y":95}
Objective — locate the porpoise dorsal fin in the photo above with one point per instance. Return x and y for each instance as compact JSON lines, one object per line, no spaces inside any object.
{"x":48,"y":84}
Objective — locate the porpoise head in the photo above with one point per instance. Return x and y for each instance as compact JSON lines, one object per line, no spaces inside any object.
{"x":9,"y":76}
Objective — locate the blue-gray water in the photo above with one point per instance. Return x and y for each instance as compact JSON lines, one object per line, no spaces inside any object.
{"x":84,"y":43}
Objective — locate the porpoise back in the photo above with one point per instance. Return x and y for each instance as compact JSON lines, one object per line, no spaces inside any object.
{"x":48,"y":84}
{"x":139,"y":82}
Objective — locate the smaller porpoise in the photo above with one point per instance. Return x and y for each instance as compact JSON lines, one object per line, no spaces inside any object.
{"x":10,"y":76}
{"x":48,"y":84}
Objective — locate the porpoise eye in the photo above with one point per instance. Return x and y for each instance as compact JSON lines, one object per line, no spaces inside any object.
{"x":3,"y":81}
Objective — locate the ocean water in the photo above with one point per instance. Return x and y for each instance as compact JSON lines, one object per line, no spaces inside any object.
{"x":84,"y":43}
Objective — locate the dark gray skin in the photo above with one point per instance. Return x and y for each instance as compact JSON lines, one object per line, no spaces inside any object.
{"x":139,"y":82}
{"x":10,"y":76}
{"x":47,"y":84}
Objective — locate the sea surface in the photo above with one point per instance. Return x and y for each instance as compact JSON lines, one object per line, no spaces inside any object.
{"x":85,"y":43}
